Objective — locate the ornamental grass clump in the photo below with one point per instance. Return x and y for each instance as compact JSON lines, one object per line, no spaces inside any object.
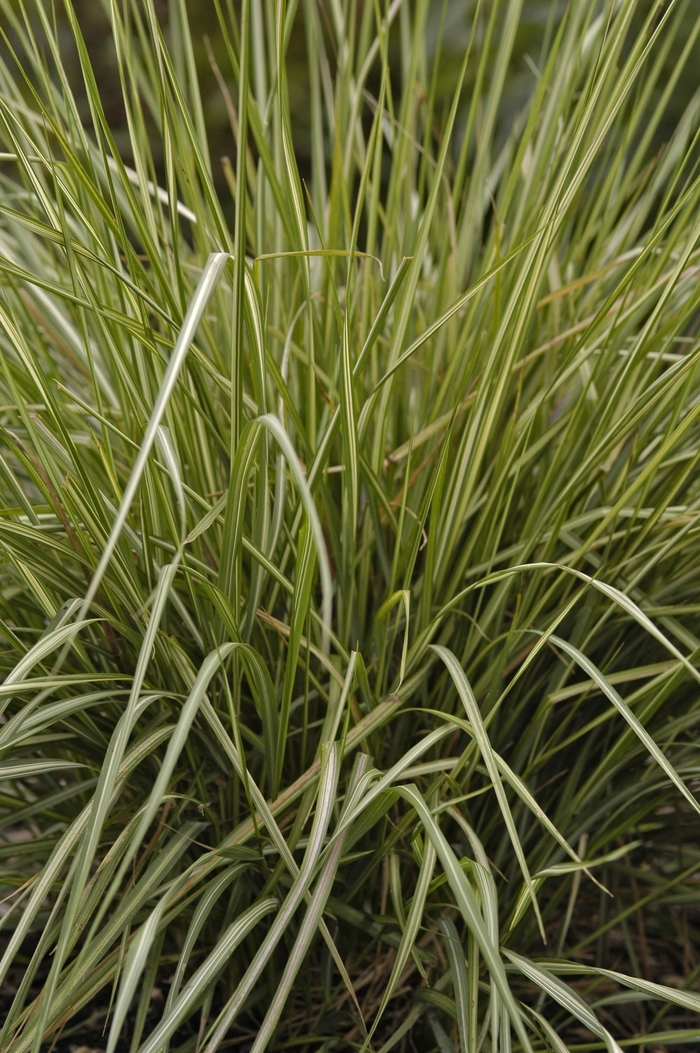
{"x":349,"y":530}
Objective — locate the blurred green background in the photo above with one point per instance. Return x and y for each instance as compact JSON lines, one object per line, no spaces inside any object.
{"x":539,"y":20}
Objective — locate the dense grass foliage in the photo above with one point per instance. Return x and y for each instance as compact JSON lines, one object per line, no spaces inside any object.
{"x":349,"y":564}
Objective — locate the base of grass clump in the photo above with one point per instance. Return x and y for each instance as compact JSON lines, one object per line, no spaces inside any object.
{"x":349,"y":529}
